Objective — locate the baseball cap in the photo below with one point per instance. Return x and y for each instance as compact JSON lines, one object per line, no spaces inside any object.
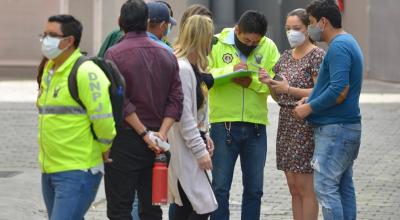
{"x":159,"y":12}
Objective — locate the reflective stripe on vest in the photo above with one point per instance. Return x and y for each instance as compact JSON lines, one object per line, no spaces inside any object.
{"x":104,"y":141}
{"x":100,"y":116}
{"x":74,"y":110}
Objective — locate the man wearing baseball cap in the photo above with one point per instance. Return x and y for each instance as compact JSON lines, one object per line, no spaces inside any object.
{"x":160,"y":23}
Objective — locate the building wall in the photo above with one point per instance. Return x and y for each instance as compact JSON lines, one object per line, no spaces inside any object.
{"x":84,"y":12}
{"x":356,"y":20}
{"x":384,"y":43}
{"x":109,"y":18}
{"x":372,"y":22}
{"x":21,"y":23}
{"x":20,"y":46}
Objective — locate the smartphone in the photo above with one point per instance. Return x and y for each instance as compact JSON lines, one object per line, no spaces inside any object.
{"x":277,"y":78}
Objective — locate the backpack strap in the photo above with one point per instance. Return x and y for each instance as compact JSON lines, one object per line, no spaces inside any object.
{"x":73,"y":85}
{"x":72,"y":81}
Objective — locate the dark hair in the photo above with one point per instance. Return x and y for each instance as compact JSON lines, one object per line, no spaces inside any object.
{"x":69,"y":27}
{"x":327,"y":9}
{"x":171,"y":13}
{"x":301,"y":13}
{"x":134,"y":15}
{"x":253,"y":22}
{"x":40,"y":70}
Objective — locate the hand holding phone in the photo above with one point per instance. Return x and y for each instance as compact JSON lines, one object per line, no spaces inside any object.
{"x":277,"y":78}
{"x":263,"y":76}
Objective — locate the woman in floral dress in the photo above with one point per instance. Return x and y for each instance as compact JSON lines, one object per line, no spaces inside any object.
{"x":296,"y":72}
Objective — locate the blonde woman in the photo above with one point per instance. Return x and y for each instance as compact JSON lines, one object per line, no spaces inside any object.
{"x":189,"y":185}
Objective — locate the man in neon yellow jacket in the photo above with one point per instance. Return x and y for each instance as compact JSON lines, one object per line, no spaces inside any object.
{"x":238,"y":111}
{"x":70,"y":157}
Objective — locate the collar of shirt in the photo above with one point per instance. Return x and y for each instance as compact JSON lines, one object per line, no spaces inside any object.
{"x":230,"y":39}
{"x":160,"y":42}
{"x":67,"y":63}
{"x":134,"y":34}
{"x":152,"y":36}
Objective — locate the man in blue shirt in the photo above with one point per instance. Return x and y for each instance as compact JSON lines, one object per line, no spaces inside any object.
{"x":160,"y":23}
{"x":333,"y":107}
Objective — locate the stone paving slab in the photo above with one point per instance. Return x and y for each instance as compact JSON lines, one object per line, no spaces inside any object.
{"x":376,"y":171}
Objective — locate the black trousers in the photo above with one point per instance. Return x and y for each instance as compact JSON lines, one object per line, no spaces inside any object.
{"x":186,"y":211}
{"x":120,"y":189}
{"x":130,"y":171}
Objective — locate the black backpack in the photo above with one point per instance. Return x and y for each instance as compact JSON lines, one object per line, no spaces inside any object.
{"x":116,"y":89}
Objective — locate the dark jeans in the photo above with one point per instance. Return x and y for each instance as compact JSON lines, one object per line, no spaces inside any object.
{"x":120,"y":193}
{"x":186,"y":211}
{"x":130,"y":171}
{"x":249,"y":141}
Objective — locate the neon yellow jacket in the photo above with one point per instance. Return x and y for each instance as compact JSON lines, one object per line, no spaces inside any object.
{"x":66,"y":141}
{"x":231,"y":102}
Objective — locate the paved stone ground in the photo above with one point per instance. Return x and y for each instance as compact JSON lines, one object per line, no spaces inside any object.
{"x":376,"y":171}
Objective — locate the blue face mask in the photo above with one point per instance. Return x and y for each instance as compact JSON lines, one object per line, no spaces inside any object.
{"x":50,"y":47}
{"x":168,"y":31}
{"x":315,"y":32}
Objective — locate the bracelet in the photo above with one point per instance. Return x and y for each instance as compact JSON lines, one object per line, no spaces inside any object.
{"x":144,"y":133}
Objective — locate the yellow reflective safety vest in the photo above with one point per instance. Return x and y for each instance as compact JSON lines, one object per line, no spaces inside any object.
{"x":66,"y":141}
{"x":230,"y":102}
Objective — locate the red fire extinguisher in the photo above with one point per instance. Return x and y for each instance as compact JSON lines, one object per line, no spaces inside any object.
{"x":340,"y":5}
{"x":160,"y":181}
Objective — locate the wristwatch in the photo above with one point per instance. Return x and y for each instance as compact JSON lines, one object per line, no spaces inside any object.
{"x":144,"y":133}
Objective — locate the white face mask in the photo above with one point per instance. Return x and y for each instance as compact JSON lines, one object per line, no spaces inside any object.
{"x":296,"y":38}
{"x":50,"y":47}
{"x":168,"y":31}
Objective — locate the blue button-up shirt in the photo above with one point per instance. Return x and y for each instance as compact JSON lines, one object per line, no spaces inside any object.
{"x":160,"y":42}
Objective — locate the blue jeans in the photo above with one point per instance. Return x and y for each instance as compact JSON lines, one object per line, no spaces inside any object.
{"x":250,"y":142}
{"x":336,"y":148}
{"x":135,"y":208}
{"x":68,"y":195}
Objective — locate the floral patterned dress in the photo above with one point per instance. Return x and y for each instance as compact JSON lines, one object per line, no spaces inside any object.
{"x":295,"y":142}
